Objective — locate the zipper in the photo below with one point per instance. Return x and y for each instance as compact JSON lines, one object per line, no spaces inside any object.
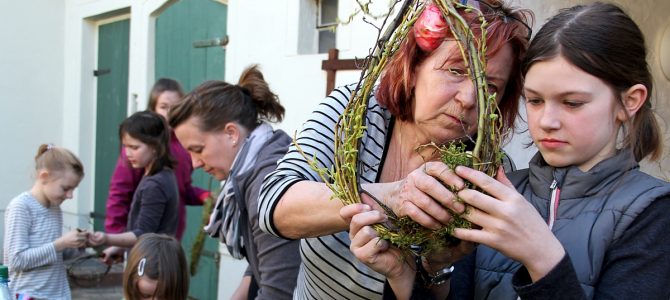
{"x":553,"y":204}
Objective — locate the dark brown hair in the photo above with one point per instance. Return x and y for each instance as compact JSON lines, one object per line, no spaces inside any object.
{"x":217,"y":103}
{"x":163,"y":85}
{"x":150,"y":128}
{"x":602,"y":40}
{"x":395,"y":91}
{"x":165,"y":262}
{"x":55,"y":159}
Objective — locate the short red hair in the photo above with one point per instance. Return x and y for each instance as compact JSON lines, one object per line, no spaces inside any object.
{"x":395,"y":90}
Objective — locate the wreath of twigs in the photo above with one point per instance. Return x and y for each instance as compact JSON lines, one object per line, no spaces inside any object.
{"x":87,"y":270}
{"x":342,"y":178}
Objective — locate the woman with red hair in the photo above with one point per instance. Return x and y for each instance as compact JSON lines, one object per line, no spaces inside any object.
{"x":424,"y":96}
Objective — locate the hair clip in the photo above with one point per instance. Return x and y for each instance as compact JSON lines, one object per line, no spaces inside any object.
{"x":50,"y":146}
{"x":140,"y":266}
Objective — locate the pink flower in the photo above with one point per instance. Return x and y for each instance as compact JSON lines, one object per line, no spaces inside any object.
{"x":430,"y":29}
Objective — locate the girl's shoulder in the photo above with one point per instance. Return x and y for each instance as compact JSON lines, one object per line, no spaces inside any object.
{"x":24,"y":201}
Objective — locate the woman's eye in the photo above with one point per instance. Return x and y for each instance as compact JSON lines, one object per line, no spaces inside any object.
{"x":573,"y":104}
{"x":492,"y":88}
{"x":457,"y":72}
{"x":534,"y":101}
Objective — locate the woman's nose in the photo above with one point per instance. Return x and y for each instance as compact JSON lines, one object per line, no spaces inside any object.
{"x":197,"y":162}
{"x":549,"y":118}
{"x":467,"y":96}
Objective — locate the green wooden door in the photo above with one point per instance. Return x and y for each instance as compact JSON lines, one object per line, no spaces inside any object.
{"x":111,"y":109}
{"x":186,"y":34}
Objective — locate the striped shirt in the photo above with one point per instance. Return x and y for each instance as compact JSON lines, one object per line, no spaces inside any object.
{"x":35,"y":268}
{"x":329,"y":270}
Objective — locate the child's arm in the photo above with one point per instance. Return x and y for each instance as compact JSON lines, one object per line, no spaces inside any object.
{"x":17,"y":245}
{"x":125,"y":240}
{"x":122,"y":185}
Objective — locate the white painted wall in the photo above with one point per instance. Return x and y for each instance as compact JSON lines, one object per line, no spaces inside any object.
{"x":31,"y":81}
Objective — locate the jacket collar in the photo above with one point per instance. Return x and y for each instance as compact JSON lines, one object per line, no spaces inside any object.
{"x":577,"y":184}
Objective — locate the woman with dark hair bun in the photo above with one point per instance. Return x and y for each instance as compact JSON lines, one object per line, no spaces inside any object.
{"x":225,"y":129}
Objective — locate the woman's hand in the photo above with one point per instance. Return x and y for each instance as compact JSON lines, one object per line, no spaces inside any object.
{"x":424,"y":195}
{"x":510,"y":224}
{"x":376,"y":253}
{"x":113,"y":255}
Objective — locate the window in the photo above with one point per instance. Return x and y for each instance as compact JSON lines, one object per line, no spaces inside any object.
{"x":326,"y":24}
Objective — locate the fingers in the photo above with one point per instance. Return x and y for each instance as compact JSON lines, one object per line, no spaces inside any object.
{"x":424,"y":197}
{"x":502,"y":178}
{"x":443,"y":177}
{"x":348,"y":211}
{"x":365,"y":219}
{"x":486,"y":183}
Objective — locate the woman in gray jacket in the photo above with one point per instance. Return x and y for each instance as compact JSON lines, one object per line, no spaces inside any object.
{"x":223,"y":126}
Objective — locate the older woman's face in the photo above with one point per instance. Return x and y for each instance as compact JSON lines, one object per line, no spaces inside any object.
{"x":445,"y":106}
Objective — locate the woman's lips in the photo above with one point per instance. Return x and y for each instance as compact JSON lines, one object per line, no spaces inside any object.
{"x":552,"y":143}
{"x":457,"y":120}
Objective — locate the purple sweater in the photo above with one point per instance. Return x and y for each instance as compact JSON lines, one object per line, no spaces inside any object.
{"x":125,"y":180}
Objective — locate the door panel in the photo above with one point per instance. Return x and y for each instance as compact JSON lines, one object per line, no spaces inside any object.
{"x":178,"y":28}
{"x":111,"y":109}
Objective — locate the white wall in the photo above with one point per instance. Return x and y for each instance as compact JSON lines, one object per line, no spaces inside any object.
{"x":31,"y":81}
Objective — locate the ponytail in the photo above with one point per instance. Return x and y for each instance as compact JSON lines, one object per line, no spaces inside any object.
{"x":267,"y":103}
{"x":217,"y":103}
{"x":644,"y":135}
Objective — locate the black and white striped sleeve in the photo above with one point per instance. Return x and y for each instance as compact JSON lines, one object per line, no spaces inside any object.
{"x":316,"y":141}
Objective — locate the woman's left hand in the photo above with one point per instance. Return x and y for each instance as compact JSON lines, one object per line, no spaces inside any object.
{"x":509,"y":223}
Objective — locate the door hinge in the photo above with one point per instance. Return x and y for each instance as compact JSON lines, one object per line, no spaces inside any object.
{"x":221,"y":41}
{"x":101,"y":72}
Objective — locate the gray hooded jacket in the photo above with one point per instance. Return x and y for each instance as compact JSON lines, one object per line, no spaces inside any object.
{"x":594,"y":209}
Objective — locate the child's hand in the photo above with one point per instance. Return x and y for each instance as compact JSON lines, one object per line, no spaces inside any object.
{"x":72,"y":239}
{"x":96,"y":239}
{"x":113,"y":255}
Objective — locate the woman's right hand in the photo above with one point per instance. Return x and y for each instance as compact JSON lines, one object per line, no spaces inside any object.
{"x":424,"y":195}
{"x":376,"y":253}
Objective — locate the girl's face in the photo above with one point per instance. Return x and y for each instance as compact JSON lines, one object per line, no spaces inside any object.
{"x":140,"y":155}
{"x":573,"y":116}
{"x":444,"y":106}
{"x":214,"y":152}
{"x":58,"y":186}
{"x":165,"y":100}
{"x":147,"y":288}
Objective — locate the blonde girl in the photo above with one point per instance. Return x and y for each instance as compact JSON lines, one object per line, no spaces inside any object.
{"x":34,"y":243}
